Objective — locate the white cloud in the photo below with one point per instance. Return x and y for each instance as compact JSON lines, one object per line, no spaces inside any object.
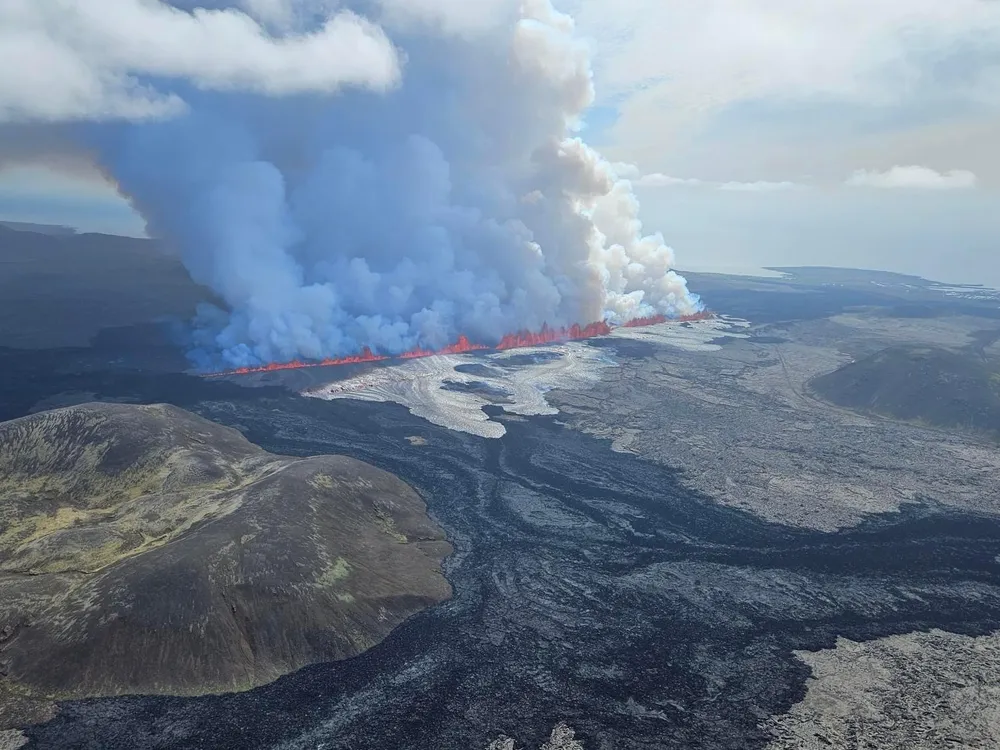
{"x":279,"y":13}
{"x":717,"y":51}
{"x":463,"y":17}
{"x":626,"y":171}
{"x":760,"y":186}
{"x":631,"y":172}
{"x":914,"y":177}
{"x":668,"y":64}
{"x":84,"y":60}
{"x":661,"y":180}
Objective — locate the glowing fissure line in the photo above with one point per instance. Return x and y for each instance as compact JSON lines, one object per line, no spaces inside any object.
{"x":520,"y":340}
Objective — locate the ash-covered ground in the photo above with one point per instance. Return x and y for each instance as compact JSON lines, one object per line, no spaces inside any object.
{"x":605,"y":589}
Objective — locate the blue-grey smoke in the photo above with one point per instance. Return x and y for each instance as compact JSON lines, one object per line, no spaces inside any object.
{"x":456,"y":201}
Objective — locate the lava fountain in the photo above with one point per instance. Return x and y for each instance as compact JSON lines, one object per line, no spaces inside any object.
{"x":519,"y":340}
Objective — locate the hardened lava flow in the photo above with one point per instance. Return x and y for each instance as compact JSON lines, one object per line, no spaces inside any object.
{"x":462,"y":345}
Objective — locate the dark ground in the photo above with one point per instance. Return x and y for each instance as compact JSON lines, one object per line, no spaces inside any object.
{"x":929,"y":385}
{"x":590,"y":586}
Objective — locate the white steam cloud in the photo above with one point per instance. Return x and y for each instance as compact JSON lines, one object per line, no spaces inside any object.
{"x":342,"y":182}
{"x":94,"y":60}
{"x":914,"y":177}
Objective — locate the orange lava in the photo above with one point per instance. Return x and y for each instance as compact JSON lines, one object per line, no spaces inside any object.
{"x":653,"y":320}
{"x":548,"y":335}
{"x":518,"y":340}
{"x":461,"y":346}
{"x":353,"y":359}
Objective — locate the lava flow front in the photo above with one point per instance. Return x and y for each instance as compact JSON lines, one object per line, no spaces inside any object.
{"x":517,"y":340}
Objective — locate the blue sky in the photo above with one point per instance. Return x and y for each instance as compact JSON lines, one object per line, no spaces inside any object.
{"x":43,"y":195}
{"x":783,"y":132}
{"x":758,"y":132}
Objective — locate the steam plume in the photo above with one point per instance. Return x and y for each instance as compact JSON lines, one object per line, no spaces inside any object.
{"x":431,"y":188}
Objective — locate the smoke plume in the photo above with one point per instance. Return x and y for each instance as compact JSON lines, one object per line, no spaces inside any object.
{"x":380,"y":173}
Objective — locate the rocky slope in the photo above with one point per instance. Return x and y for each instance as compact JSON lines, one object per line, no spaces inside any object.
{"x":925,"y":384}
{"x":144,"y":549}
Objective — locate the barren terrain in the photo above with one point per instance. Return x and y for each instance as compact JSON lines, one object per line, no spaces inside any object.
{"x":920,"y":691}
{"x":147,"y":550}
{"x":744,"y":426}
{"x":750,"y":565}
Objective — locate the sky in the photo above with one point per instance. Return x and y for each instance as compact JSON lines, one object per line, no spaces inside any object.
{"x":861,"y":133}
